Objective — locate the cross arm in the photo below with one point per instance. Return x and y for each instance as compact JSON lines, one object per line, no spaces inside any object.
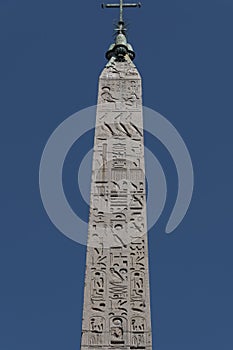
{"x":124,"y":5}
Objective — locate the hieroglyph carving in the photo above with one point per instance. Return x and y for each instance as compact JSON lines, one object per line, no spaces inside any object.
{"x":116,"y":312}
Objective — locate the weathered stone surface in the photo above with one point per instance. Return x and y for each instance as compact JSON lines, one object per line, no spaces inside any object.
{"x":116,"y":312}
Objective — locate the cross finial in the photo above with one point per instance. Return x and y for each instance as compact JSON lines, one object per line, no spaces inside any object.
{"x":121,"y":6}
{"x":121,"y":48}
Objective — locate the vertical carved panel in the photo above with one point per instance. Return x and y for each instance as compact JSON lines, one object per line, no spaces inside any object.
{"x":138,"y":335}
{"x":97,"y":330}
{"x":118,"y":331}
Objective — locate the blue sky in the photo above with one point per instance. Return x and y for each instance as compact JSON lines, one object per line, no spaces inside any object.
{"x":51,"y":55}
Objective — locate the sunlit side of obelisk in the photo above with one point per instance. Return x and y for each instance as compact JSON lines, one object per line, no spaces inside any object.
{"x":116,"y":310}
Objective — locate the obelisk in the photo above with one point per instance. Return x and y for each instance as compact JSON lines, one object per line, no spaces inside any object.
{"x":116,"y":311}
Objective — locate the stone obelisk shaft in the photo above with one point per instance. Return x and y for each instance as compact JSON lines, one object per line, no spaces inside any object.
{"x":116,"y":313}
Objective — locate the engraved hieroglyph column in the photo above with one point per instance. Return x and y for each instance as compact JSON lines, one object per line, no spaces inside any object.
{"x":116,"y":311}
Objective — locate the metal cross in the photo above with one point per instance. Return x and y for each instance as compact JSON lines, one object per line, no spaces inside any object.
{"x":121,"y":6}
